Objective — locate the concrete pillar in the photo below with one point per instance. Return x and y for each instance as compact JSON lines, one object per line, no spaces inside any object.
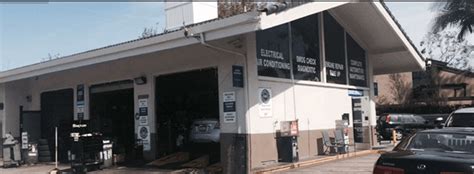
{"x":146,"y":92}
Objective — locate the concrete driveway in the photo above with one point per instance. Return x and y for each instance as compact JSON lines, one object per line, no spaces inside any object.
{"x":358,"y":165}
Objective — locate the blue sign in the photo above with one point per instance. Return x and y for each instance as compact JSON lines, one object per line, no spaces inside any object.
{"x":356,"y":93}
{"x":237,"y":76}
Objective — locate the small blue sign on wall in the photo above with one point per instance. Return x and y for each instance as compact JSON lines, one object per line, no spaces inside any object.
{"x":356,"y":93}
{"x":237,"y":76}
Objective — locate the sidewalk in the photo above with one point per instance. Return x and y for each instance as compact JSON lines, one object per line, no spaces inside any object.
{"x":323,"y":159}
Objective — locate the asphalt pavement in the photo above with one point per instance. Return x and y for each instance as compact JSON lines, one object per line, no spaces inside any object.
{"x":357,"y":165}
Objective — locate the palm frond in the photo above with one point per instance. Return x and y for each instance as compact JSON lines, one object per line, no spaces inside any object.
{"x":454,"y":13}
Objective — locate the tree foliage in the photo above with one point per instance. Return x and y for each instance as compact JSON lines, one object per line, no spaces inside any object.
{"x":454,"y":13}
{"x":228,"y":8}
{"x":445,"y":47}
{"x":401,"y":89}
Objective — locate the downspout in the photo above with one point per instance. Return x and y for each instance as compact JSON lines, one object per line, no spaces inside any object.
{"x":202,"y":39}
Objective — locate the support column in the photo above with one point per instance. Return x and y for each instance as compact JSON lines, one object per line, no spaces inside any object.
{"x":144,"y":99}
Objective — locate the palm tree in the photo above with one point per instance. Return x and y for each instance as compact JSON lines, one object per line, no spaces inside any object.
{"x":455,"y":13}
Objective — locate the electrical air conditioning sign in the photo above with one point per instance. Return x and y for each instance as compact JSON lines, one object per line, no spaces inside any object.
{"x":273,"y":58}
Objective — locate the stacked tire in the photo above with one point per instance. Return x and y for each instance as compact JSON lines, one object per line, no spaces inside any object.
{"x":44,"y":153}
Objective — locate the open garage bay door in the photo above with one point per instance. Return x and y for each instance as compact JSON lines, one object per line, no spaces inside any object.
{"x":188,"y":116}
{"x":112,"y":114}
{"x":57,"y":111}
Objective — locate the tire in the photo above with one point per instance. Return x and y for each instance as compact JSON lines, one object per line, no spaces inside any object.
{"x":45,"y":153}
{"x":43,"y":148}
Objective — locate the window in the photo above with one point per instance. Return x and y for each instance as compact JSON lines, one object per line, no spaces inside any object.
{"x":356,"y":62}
{"x":305,"y":48}
{"x":376,"y":89}
{"x":273,"y":59}
{"x":334,"y":47}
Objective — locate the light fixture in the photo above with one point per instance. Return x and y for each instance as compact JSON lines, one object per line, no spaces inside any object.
{"x":140,"y":80}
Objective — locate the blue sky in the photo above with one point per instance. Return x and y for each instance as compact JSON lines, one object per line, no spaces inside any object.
{"x":29,"y":32}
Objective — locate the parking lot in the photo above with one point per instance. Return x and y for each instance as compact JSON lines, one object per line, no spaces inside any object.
{"x":358,"y":165}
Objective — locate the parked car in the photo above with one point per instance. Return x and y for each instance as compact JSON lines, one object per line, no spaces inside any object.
{"x":448,"y":150}
{"x":461,"y":118}
{"x":403,"y":124}
{"x":205,"y":131}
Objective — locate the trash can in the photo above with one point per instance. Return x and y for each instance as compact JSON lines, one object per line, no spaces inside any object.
{"x":287,"y":149}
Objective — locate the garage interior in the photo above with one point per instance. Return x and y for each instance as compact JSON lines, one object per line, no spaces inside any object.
{"x":181,"y":99}
{"x":112,"y":114}
{"x":56,"y":110}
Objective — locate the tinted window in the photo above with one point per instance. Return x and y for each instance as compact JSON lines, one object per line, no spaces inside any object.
{"x":356,"y":62}
{"x":305,"y":48}
{"x":461,"y":120}
{"x":334,"y":47}
{"x":445,"y":142}
{"x":273,"y":47}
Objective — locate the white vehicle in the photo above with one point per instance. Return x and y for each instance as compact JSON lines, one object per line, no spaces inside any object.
{"x":205,"y":131}
{"x":461,"y":118}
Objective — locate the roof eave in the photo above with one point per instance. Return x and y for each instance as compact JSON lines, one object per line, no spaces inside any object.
{"x":214,"y":30}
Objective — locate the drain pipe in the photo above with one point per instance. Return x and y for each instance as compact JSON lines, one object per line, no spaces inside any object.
{"x":202,"y":39}
{"x":203,"y":42}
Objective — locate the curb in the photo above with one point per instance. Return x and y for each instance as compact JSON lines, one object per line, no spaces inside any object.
{"x":314,"y":162}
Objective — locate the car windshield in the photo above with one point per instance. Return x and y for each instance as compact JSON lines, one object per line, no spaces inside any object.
{"x":446,"y":142}
{"x":461,"y":120}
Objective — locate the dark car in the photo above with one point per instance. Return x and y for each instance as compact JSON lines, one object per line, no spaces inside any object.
{"x":461,"y":118}
{"x":403,"y":124}
{"x":440,"y":151}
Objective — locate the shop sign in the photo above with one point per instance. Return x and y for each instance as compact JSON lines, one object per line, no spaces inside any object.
{"x":265,"y":102}
{"x":355,"y":92}
{"x":334,"y":47}
{"x":144,"y":137}
{"x":289,"y":128}
{"x":80,"y":102}
{"x":357,"y":120}
{"x":229,"y":107}
{"x":143,"y":105}
{"x":273,"y":57}
{"x":143,"y":120}
{"x":357,"y":63}
{"x":305,"y":48}
{"x":24,"y":140}
{"x":237,"y":76}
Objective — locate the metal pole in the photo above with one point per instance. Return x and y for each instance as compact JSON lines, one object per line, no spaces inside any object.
{"x":56,"y":146}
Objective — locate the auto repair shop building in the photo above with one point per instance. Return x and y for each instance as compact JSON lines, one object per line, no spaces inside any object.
{"x":313,"y":63}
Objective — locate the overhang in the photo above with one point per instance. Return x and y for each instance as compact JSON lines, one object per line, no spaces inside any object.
{"x":389,"y":48}
{"x":370,"y":23}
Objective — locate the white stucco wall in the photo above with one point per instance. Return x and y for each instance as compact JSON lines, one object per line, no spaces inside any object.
{"x":318,"y":104}
{"x":15,"y":96}
{"x":151,"y":65}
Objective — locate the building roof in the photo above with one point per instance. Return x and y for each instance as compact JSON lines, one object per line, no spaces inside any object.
{"x":444,"y":67}
{"x":390,"y":43}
